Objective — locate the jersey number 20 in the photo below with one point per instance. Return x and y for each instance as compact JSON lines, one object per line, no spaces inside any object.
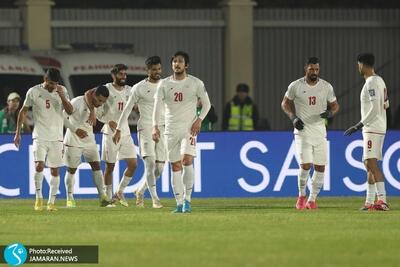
{"x":178,"y":96}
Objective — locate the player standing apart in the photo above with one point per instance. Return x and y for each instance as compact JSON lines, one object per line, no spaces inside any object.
{"x":306,"y":103}
{"x":374,"y":102}
{"x":79,"y":140}
{"x":48,"y":100}
{"x":153,"y":153}
{"x":178,"y":94}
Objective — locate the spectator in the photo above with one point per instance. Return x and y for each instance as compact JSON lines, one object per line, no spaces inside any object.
{"x":240,"y":114}
{"x":9,"y":115}
{"x":209,"y":121}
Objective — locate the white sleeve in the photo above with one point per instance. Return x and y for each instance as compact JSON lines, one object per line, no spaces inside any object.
{"x":205,"y":100}
{"x":373,"y":112}
{"x":67,"y":123}
{"x":158,"y":104}
{"x":104,"y":113}
{"x":331,"y":94}
{"x":29,"y":99}
{"x":290,"y":93}
{"x":133,"y":99}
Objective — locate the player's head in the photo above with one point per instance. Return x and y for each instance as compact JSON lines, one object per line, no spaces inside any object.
{"x":180,"y":62}
{"x":365,"y":61}
{"x":242,"y":91}
{"x":311,"y":69}
{"x":153,"y":65}
{"x":51,"y":79}
{"x":119,"y":74}
{"x":100,"y":95}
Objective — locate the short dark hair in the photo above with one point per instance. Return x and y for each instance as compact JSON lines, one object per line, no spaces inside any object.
{"x":367,"y":59}
{"x":53,"y":75}
{"x":312,"y":60}
{"x":102,"y":90}
{"x":182,"y":54}
{"x":118,"y":67}
{"x":153,"y":60}
{"x":242,"y":87}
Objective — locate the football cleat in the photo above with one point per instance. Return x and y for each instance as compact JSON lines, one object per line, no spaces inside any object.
{"x":311,"y":205}
{"x":139,"y":199}
{"x":368,"y":207}
{"x":104,"y":201}
{"x":157,"y":204}
{"x":38,"y":204}
{"x":178,"y":209}
{"x":301,"y":203}
{"x":51,"y":207}
{"x":186,"y":207}
{"x":71,"y":203}
{"x":119,"y":196}
{"x":381,"y":205}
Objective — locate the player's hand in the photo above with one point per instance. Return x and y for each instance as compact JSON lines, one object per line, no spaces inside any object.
{"x":196,"y":127}
{"x":298,"y":123}
{"x":155,"y":135}
{"x":353,"y":129}
{"x":92,"y":117}
{"x":113,"y":125}
{"x":81,"y":133}
{"x":17,"y":140}
{"x":116,"y":136}
{"x":327,"y":114}
{"x":60,"y":91}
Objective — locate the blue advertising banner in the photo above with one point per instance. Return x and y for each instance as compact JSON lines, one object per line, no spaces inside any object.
{"x":228,"y":164}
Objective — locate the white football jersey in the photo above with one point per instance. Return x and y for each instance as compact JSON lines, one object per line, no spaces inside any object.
{"x":47,"y":111}
{"x":373,"y":97}
{"x":310,"y":102}
{"x":79,"y":119}
{"x":142,"y":94}
{"x":180,"y":102}
{"x":113,"y":108}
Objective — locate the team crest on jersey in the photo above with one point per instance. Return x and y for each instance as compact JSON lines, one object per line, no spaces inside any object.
{"x":371,"y":92}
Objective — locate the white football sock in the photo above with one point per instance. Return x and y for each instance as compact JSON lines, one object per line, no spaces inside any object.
{"x":99,"y":182}
{"x":380,"y":191}
{"x":177,"y":186}
{"x":188,"y":181}
{"x":38,"y":177}
{"x":302,"y":181}
{"x":54,"y":185}
{"x":124,"y":183}
{"x":317,"y":183}
{"x":370,"y":199}
{"x":150,"y":165}
{"x":109,"y":191}
{"x":159,"y":169}
{"x":69,"y":181}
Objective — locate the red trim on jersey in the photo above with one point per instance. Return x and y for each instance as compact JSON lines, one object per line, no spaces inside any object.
{"x":375,"y":133}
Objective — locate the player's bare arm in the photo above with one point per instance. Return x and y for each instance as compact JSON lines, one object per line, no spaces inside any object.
{"x":155,"y":135}
{"x":331,"y":112}
{"x":66,"y":103}
{"x":81,"y":133}
{"x":113,"y":125}
{"x":196,"y":127}
{"x":92,"y":114}
{"x":117,"y":136}
{"x":290,"y":110}
{"x":21,"y":118}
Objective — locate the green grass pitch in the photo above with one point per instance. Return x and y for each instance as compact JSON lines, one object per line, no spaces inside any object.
{"x":220,"y":232}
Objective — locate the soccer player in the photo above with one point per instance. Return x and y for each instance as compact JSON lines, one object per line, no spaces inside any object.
{"x":125,"y":149}
{"x":306,"y":103}
{"x":79,"y":140}
{"x":153,"y":153}
{"x":47,"y":100}
{"x":178,"y":94}
{"x":374,"y":102}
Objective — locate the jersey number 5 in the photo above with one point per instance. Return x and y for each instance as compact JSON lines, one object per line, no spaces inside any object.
{"x":47,"y":103}
{"x":312,"y":100}
{"x":178,"y":96}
